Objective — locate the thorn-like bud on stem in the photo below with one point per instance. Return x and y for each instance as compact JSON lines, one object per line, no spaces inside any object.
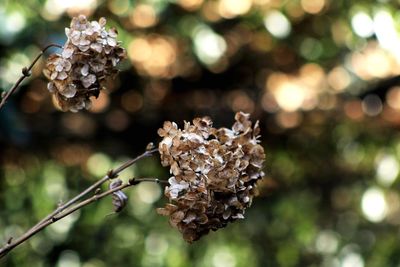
{"x":150,"y":146}
{"x":26,"y":72}
{"x":133,"y":181}
{"x":111,"y":174}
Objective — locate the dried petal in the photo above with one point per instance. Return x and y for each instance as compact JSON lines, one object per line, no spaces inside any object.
{"x":53,"y":75}
{"x":113,"y":33}
{"x":85,"y":70}
{"x":51,"y":87}
{"x":111,"y":41}
{"x":88,"y":80}
{"x":96,"y":47}
{"x":102,"y":22}
{"x":69,"y":91}
{"x":67,"y":52}
{"x":62,"y":75}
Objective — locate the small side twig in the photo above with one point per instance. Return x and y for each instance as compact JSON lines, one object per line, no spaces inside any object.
{"x":62,"y":210}
{"x":26,"y":72}
{"x":132,"y":182}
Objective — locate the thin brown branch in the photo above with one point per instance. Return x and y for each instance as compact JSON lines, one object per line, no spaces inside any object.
{"x":96,"y":197}
{"x":26,"y":72}
{"x":61,"y":211}
{"x":111,"y":174}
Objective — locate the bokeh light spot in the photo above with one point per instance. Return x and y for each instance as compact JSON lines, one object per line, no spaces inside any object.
{"x":289,"y":96}
{"x":327,"y":242}
{"x":149,"y":192}
{"x":156,"y":244}
{"x":209,"y":46}
{"x":393,"y":97}
{"x":353,"y":109}
{"x":233,"y":8}
{"x":98,"y":164}
{"x":311,"y":48}
{"x":153,"y":55}
{"x":339,"y":78}
{"x":387,"y":170}
{"x":143,"y":16}
{"x":132,"y":101}
{"x":373,"y":204}
{"x":352,"y":259}
{"x":289,"y":119}
{"x":277,"y":24}
{"x":190,"y":5}
{"x":14,"y":22}
{"x":312,"y":6}
{"x":69,"y":258}
{"x":117,"y":120}
{"x":223,"y":258}
{"x":118,"y":7}
{"x":372,"y":105}
{"x":362,"y":24}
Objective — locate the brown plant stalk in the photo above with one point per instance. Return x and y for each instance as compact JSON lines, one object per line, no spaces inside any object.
{"x":26,"y":72}
{"x":68,"y":207}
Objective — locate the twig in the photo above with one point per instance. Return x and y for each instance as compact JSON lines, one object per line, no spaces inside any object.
{"x":111,"y":174}
{"x":60,"y":212}
{"x":131,"y":182}
{"x":26,"y":72}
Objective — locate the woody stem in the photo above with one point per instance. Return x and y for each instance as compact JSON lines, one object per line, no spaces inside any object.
{"x":26,"y":72}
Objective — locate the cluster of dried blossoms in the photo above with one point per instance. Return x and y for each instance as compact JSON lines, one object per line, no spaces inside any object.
{"x":214,"y":173}
{"x":90,"y":55}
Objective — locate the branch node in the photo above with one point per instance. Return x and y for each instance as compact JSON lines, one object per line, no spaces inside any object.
{"x":111,"y":174}
{"x":133,"y":181}
{"x":63,"y":209}
{"x":26,"y":72}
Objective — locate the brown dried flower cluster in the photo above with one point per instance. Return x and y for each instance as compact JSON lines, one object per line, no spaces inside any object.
{"x":214,"y":173}
{"x":89,"y":56}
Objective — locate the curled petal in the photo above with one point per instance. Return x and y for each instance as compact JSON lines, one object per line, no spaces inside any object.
{"x":119,"y":199}
{"x":69,"y":91}
{"x":62,"y":75}
{"x":85,"y":70}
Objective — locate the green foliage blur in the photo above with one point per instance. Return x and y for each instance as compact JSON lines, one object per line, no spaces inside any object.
{"x":322,"y":76}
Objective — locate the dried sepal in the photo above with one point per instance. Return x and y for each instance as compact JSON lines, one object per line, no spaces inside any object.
{"x":88,"y":59}
{"x":119,"y":199}
{"x":214,"y":173}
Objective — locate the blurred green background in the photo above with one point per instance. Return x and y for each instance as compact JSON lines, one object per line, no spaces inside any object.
{"x":322,"y":76}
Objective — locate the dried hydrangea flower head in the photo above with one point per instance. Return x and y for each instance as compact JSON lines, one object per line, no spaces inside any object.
{"x":214,"y":173}
{"x":89,"y":56}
